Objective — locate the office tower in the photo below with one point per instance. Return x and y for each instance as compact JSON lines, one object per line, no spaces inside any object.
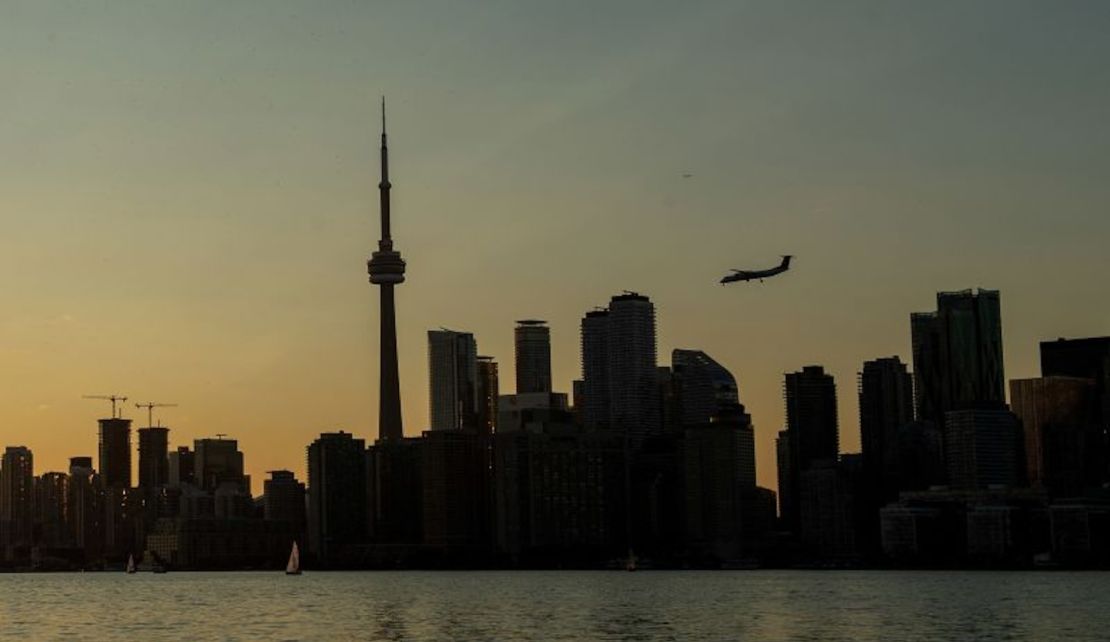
{"x":387,"y":269}
{"x":488,"y":394}
{"x":52,"y":509}
{"x":594,"y":399}
{"x":17,"y":480}
{"x":885,"y":405}
{"x":633,"y":380}
{"x":717,"y":459}
{"x":218,"y":461}
{"x":982,"y":448}
{"x":1064,"y":443}
{"x":86,"y":513}
{"x":115,"y":452}
{"x":452,"y":379}
{"x":182,"y":467}
{"x":957,"y":354}
{"x":284,"y":498}
{"x":1086,"y":358}
{"x":153,"y":457}
{"x":702,"y":387}
{"x":336,"y":497}
{"x":811,"y":427}
{"x":533,"y":356}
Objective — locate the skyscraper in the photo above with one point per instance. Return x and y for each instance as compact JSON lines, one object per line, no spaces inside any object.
{"x":219,"y":461}
{"x":115,"y":452}
{"x":957,"y":353}
{"x":702,"y":386}
{"x":387,"y":269}
{"x":17,"y":487}
{"x":594,"y":400}
{"x":153,"y":457}
{"x":1086,"y":358}
{"x":283,"y":500}
{"x":533,"y":356}
{"x":812,"y":431}
{"x":1064,"y":443}
{"x":885,"y":406}
{"x":336,"y":497}
{"x":488,"y":394}
{"x":633,"y":379}
{"x":452,"y":379}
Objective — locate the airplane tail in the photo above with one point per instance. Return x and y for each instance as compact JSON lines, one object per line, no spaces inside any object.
{"x":786,"y":260}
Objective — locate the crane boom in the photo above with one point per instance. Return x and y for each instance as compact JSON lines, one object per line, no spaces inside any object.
{"x":112,"y":398}
{"x":150,"y":406}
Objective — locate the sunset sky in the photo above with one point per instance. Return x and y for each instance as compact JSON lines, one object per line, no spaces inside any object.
{"x":188,"y":194}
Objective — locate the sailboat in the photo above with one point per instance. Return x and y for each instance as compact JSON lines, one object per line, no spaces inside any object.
{"x":130,"y":563}
{"x":294,"y":565}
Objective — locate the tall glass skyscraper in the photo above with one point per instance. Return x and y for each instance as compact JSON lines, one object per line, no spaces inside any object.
{"x":533,"y":356}
{"x":452,"y":379}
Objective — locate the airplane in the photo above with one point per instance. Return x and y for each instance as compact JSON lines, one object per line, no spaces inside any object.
{"x":751,"y":275}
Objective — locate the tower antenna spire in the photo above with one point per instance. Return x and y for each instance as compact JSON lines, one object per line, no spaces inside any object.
{"x":387,"y":269}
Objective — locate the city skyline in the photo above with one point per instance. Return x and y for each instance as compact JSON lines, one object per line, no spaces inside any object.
{"x":231,"y":285}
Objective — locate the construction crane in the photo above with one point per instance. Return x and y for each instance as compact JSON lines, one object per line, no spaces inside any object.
{"x":150,"y":406}
{"x":114,"y":399}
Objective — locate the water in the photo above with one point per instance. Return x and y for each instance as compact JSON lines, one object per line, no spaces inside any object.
{"x":746,"y":605}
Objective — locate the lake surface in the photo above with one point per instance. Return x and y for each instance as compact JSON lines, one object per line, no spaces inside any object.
{"x":716,"y":605}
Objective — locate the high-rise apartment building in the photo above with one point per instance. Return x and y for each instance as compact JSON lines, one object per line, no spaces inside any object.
{"x":336,"y":497}
{"x":115,"y":452}
{"x":1064,"y":442}
{"x":452,"y":379}
{"x":885,"y":406}
{"x":533,"y":356}
{"x":594,"y":400}
{"x":812,"y":431}
{"x":17,"y":488}
{"x":982,"y":447}
{"x":153,"y":457}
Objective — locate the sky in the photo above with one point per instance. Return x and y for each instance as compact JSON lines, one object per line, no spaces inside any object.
{"x":188,"y":195}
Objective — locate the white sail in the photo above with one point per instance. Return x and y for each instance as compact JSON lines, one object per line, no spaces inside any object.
{"x":294,"y":565}
{"x":130,"y":563}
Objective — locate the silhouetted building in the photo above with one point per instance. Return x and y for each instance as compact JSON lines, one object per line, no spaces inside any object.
{"x":533,"y":356}
{"x":452,"y":379}
{"x":85,"y":508}
{"x":829,"y":507}
{"x":702,"y":387}
{"x":594,"y":400}
{"x":633,"y":385}
{"x":284,"y":501}
{"x":218,"y":461}
{"x":182,"y":467}
{"x":387,"y":269}
{"x":52,"y":510}
{"x":722,"y":520}
{"x":1064,"y":443}
{"x":885,"y":406}
{"x":811,"y":429}
{"x":455,"y":469}
{"x":982,"y":448}
{"x":115,"y":453}
{"x":395,"y":494}
{"x":532,"y":412}
{"x":153,"y":457}
{"x":1088,"y":359}
{"x":957,"y":353}
{"x":337,"y":498}
{"x":488,"y":393}
{"x":17,"y":479}
{"x":559,"y":493}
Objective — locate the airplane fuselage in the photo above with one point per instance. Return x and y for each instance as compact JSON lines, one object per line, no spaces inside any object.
{"x":757,"y":275}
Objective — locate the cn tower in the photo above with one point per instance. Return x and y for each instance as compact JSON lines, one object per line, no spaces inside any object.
{"x":387,"y":269}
